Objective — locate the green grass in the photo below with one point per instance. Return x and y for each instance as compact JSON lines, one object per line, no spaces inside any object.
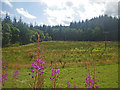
{"x":106,"y":74}
{"x":75,"y":54}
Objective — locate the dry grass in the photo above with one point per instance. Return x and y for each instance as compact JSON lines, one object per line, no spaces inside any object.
{"x":18,"y":66}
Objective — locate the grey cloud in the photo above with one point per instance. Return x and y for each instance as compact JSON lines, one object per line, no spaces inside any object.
{"x":102,"y":1}
{"x":119,"y":8}
{"x":69,"y":4}
{"x":68,"y":17}
{"x":111,"y":8}
{"x":66,"y":22}
{"x":82,"y":9}
{"x":97,"y":1}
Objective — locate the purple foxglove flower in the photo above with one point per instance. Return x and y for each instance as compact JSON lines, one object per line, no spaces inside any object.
{"x":57,"y":76}
{"x":74,"y":86}
{"x":52,"y":74}
{"x":36,"y":68}
{"x":68,"y":84}
{"x":87,"y":79}
{"x":87,"y":82}
{"x":58,"y":69}
{"x":32,"y":64}
{"x":42,"y":67}
{"x":96,"y":86}
{"x":91,"y":80}
{"x":39,"y":68}
{"x":33,"y":59}
{"x":32,"y":70}
{"x":3,"y":76}
{"x":92,"y":83}
{"x":90,"y":86}
{"x":6,"y":74}
{"x":52,"y":69}
{"x":53,"y":77}
{"x":5,"y":79}
{"x":37,"y":60}
{"x":15,"y":73}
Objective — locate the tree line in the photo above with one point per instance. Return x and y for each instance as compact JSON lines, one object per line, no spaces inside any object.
{"x":96,"y":29}
{"x":14,"y":31}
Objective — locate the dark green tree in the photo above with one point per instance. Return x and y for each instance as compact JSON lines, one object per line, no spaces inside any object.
{"x":6,"y":34}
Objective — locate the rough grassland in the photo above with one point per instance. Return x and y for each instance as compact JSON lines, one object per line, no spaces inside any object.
{"x":73,"y":54}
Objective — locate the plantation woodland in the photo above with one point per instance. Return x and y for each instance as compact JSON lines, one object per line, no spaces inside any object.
{"x":96,"y":29}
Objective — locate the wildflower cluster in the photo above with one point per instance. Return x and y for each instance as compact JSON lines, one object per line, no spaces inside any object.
{"x":15,"y":73}
{"x":68,"y":84}
{"x":4,"y":78}
{"x":37,"y":68}
{"x":0,"y":78}
{"x":15,"y":77}
{"x":90,"y":83}
{"x":37,"y":65}
{"x":74,"y":86}
{"x":54,"y":74}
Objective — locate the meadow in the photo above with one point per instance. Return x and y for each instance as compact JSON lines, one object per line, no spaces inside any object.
{"x":71,"y":58}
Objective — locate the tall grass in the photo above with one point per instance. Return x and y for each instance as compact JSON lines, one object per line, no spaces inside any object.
{"x":68,"y":56}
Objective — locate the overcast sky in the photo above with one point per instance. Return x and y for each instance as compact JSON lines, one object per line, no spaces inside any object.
{"x":56,"y":12}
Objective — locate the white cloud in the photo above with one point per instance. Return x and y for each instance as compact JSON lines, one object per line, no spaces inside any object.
{"x":64,"y":11}
{"x":25,"y":13}
{"x":59,"y":16}
{"x":4,"y":13}
{"x":7,"y":2}
{"x":93,"y":10}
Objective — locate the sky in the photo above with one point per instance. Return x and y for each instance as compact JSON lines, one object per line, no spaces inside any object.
{"x":56,"y":12}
